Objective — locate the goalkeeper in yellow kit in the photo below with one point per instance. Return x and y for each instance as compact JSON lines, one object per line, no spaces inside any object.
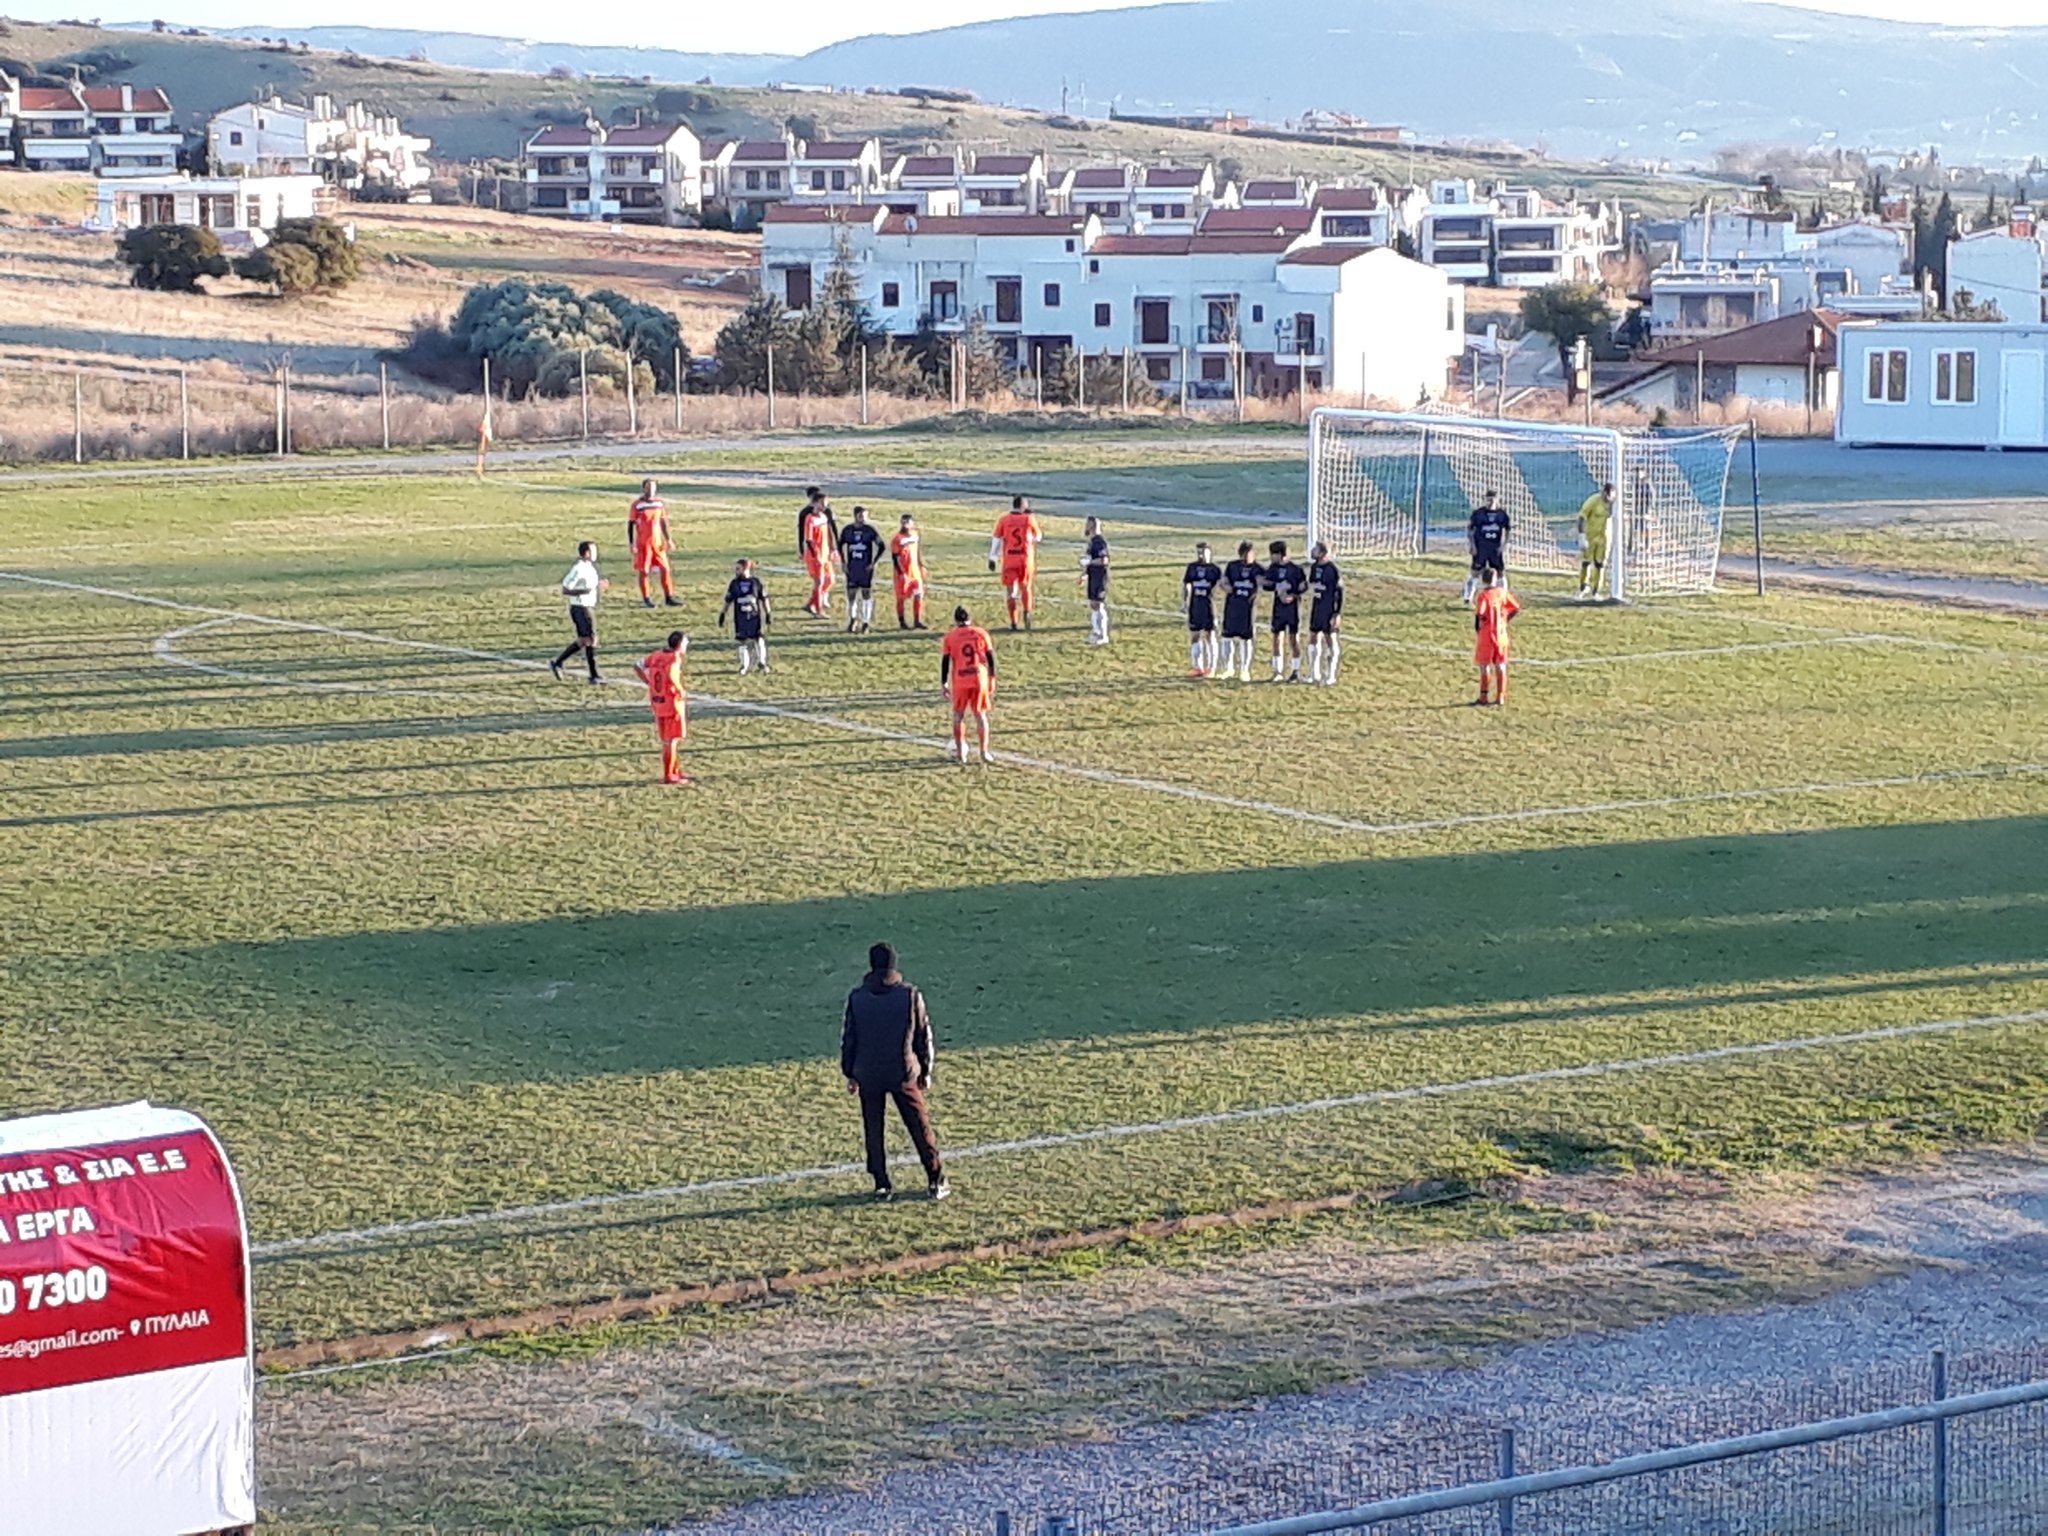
{"x":1595,"y":514}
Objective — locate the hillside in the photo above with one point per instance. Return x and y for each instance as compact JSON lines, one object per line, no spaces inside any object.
{"x":470,"y":50}
{"x":1588,"y":77}
{"x":473,"y":115}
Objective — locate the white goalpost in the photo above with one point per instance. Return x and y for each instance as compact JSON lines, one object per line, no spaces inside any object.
{"x":1395,"y":485}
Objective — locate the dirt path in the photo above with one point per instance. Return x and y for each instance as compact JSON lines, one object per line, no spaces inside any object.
{"x":1375,"y":1354}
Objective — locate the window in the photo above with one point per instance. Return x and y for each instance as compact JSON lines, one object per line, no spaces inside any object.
{"x":753,"y":181}
{"x":1886,"y":382}
{"x":775,"y":181}
{"x":235,"y":137}
{"x":1955,"y":378}
{"x":107,"y":124}
{"x":839,"y":181}
{"x":1180,"y":210}
{"x":1215,"y":369}
{"x":1052,"y":295}
{"x":817,"y":181}
{"x":892,"y":295}
{"x":1094,"y":266}
{"x":253,"y":213}
{"x":1070,"y":247}
{"x":1258,"y":313}
{"x":1101,"y":316}
{"x":1158,"y":369}
{"x":946,"y":301}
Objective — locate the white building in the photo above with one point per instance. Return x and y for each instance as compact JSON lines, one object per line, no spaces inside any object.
{"x":750,"y":176}
{"x":120,"y":130}
{"x":1944,"y":384}
{"x":1278,"y":192}
{"x":836,"y":171}
{"x":1876,"y":253}
{"x":2007,"y":267}
{"x":1738,"y":234}
{"x":238,"y":208}
{"x":1171,"y":199}
{"x":350,"y":146}
{"x":1270,"y":306}
{"x":1354,"y":216}
{"x":1105,"y":192}
{"x":1004,"y":184}
{"x":1537,"y":242}
{"x":1455,"y":232}
{"x":645,"y":173}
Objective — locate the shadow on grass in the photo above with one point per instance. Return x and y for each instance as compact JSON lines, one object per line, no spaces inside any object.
{"x":1078,"y":961}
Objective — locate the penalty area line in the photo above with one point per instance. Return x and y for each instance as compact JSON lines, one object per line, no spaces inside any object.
{"x":1051,"y":1141}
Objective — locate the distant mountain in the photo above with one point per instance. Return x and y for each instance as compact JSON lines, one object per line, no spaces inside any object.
{"x":1585,"y":77}
{"x":467,"y":50}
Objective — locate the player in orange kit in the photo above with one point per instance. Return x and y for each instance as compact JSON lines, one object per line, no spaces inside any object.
{"x":967,"y":672}
{"x":906,"y":552}
{"x":662,"y":672}
{"x":1491,"y":609}
{"x":1016,"y":544}
{"x":647,"y":536}
{"x":819,"y":553}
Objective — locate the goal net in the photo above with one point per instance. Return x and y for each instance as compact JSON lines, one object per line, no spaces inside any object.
{"x":1386,"y":485}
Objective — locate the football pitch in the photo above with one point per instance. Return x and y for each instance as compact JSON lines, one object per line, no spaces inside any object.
{"x":300,"y":834}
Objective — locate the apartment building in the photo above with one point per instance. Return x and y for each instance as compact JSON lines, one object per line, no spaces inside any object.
{"x":646,"y":173}
{"x":1454,"y":232}
{"x":349,"y":146}
{"x":120,"y":130}
{"x":240,"y":209}
{"x":751,"y":176}
{"x":836,"y":172}
{"x":1210,"y":308}
{"x":1537,"y":242}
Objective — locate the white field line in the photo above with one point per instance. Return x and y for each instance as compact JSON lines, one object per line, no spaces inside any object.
{"x":165,"y":649}
{"x":693,"y":1439}
{"x":1125,"y":780}
{"x":1049,"y":1141}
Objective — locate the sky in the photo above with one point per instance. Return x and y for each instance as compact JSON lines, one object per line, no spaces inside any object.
{"x":798,"y":25}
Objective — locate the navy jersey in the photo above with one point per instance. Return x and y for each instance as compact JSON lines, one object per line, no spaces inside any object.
{"x":1095,"y":567}
{"x":1488,"y":530}
{"x":1325,"y":592}
{"x":1242,"y":583}
{"x":860,"y":546}
{"x":748,"y":600}
{"x":1201,"y":579}
{"x":1286,"y":581}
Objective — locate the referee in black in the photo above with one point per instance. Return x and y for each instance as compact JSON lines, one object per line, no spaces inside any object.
{"x":885,"y":1052}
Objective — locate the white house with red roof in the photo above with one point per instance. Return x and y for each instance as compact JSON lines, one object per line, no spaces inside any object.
{"x":642,"y":173}
{"x":1278,"y":192}
{"x":117,"y":130}
{"x":750,"y":176}
{"x":1004,"y":184}
{"x":837,"y":171}
{"x":1250,"y":295}
{"x":1105,"y":192}
{"x":1355,"y":216}
{"x":1171,"y":199}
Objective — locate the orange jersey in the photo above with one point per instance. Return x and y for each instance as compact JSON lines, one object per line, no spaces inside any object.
{"x":664,"y":680}
{"x":1019,"y":533}
{"x":1491,"y":610}
{"x":649,"y":522}
{"x":907,"y":550}
{"x":817,"y":538}
{"x":970,"y":654}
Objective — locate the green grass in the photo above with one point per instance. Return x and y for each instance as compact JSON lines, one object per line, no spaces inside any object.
{"x":438,"y":944}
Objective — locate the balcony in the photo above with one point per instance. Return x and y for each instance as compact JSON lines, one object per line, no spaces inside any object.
{"x":990,"y":317}
{"x":1143,"y":335}
{"x":1227,"y":334}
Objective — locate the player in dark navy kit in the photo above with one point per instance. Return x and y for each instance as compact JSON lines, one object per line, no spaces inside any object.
{"x":860,"y":551}
{"x":1198,"y":584}
{"x":1095,"y":580}
{"x":1325,"y":615}
{"x":1286,"y":581}
{"x":1242,"y":583}
{"x":1487,"y":532}
{"x":746,"y":600}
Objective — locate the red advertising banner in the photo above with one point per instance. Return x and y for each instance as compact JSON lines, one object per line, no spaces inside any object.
{"x":117,"y":1260}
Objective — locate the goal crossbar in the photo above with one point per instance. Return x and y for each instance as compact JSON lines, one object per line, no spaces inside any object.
{"x":1388,"y":485}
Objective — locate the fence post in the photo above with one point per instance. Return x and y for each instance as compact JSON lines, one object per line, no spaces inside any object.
{"x":632,"y":401}
{"x":1940,"y":1446}
{"x":1183,"y":381}
{"x":1506,"y":1506}
{"x":1038,"y":382}
{"x":1127,"y":381}
{"x":1301,"y":381}
{"x":384,"y":399}
{"x":280,"y":412}
{"x":77,"y":417}
{"x":1756,"y":508}
{"x":1081,"y":377}
{"x":583,"y":386}
{"x":863,"y":383}
{"x":679,"y":391}
{"x":1237,"y":378}
{"x":286,"y":419}
{"x":771,"y":385}
{"x":184,"y":416}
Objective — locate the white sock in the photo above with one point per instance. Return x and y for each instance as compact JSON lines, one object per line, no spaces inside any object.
{"x":1194,"y":655}
{"x":1315,"y":658}
{"x":761,"y":653}
{"x":746,"y":651}
{"x":1331,"y":650}
{"x":1276,"y":663}
{"x":1471,"y":586}
{"x":1105,"y":626}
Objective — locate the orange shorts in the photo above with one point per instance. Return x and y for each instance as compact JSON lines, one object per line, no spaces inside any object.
{"x":669,"y":725}
{"x":1490,"y":653}
{"x":973,"y":694}
{"x":909,"y":586}
{"x":646,"y":560}
{"x":1019,"y":573}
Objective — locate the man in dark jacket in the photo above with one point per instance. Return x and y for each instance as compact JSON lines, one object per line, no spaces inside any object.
{"x":885,"y":1052}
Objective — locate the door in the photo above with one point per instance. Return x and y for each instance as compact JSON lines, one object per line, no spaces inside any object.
{"x":1155,"y":325}
{"x":2022,"y":408}
{"x":1009,"y":300}
{"x":799,"y":280}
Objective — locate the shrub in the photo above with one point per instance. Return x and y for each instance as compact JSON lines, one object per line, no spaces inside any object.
{"x":533,"y":333}
{"x":290,"y":269}
{"x":172,"y":258}
{"x":337,"y":264}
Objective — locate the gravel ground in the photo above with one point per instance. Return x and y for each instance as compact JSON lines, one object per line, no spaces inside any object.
{"x":1977,"y":1234}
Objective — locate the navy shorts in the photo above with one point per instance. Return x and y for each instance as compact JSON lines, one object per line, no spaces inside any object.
{"x":1201,"y":616}
{"x":585,"y":620}
{"x":1287,"y":618}
{"x":1490,"y":560}
{"x":1098,"y":583}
